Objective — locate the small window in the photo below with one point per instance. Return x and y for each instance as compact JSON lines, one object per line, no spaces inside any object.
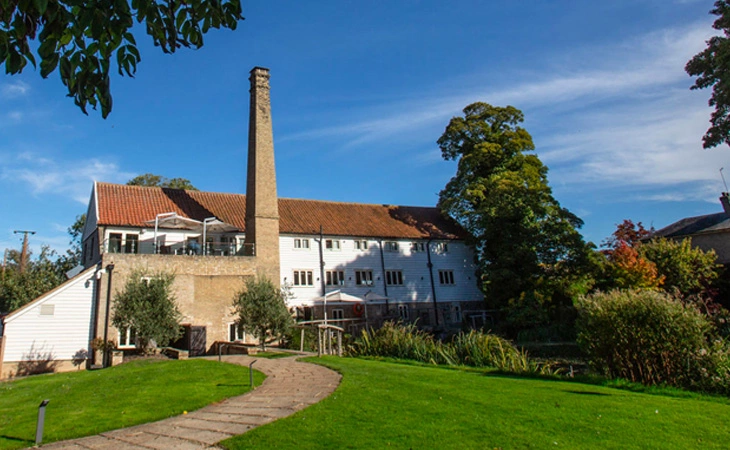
{"x":301,"y":243}
{"x":235,"y":332}
{"x":115,"y":243}
{"x":361,"y":245}
{"x":418,"y":247}
{"x":334,"y":277}
{"x":441,"y":247}
{"x":131,"y":243}
{"x":338,"y":314}
{"x":127,"y":338}
{"x":332,"y":244}
{"x":446,"y":277}
{"x":403,"y":312}
{"x":391,"y":246}
{"x":364,"y":277}
{"x":394,"y":277}
{"x":457,"y":314}
{"x":303,"y":278}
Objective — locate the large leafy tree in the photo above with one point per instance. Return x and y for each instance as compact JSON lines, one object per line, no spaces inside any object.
{"x":152,"y":180}
{"x":147,"y":305}
{"x":711,"y":68}
{"x":20,"y":287}
{"x":500,"y":194}
{"x":84,"y":38}
{"x":261,"y":309}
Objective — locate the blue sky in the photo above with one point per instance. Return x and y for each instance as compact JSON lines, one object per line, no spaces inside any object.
{"x":361,"y":91}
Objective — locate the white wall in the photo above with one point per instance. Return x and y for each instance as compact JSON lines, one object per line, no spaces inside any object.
{"x":63,"y":332}
{"x":414,"y":266}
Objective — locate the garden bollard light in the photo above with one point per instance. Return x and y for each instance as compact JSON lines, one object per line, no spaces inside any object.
{"x":41,"y":419}
{"x":250,"y":373}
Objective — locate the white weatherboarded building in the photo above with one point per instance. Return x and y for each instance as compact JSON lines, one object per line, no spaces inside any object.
{"x":51,"y":333}
{"x":410,"y":263}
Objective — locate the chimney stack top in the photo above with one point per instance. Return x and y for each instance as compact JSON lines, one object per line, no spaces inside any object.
{"x":725,"y":201}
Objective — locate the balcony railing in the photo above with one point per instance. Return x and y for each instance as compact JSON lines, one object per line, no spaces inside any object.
{"x":189,"y":248}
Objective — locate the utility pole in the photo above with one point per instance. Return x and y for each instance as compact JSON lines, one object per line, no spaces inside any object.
{"x":5,"y":262}
{"x":24,"y":251}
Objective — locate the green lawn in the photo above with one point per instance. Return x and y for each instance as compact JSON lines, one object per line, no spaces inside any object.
{"x":384,"y":404}
{"x":271,"y":355}
{"x":90,"y":402}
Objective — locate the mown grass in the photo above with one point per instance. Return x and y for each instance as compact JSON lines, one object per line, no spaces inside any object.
{"x":270,"y":355}
{"x":384,"y":404}
{"x":91,"y":402}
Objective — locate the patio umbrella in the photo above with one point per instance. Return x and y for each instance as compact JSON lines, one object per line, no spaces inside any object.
{"x":215,"y":225}
{"x":174,"y":221}
{"x":339,"y":296}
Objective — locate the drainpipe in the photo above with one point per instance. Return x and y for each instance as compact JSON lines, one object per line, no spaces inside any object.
{"x":109,"y":270}
{"x":433,"y":286}
{"x":97,"y":302}
{"x":321,"y":272}
{"x":385,"y":285}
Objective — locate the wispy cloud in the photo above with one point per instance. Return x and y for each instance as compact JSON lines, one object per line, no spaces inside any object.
{"x":69,"y":178}
{"x":621,"y":115}
{"x":14,"y":89}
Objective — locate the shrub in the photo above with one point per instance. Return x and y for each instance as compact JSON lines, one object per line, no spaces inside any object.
{"x":688,"y":269}
{"x":293,"y":339}
{"x":651,"y":338}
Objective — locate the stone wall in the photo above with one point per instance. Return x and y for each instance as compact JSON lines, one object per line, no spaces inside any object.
{"x":204,"y":287}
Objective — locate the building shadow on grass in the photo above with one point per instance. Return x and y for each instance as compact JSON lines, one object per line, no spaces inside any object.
{"x":601,"y":394}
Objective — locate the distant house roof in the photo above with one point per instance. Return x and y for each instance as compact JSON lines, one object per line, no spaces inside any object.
{"x":696,"y":225}
{"x":122,"y":205}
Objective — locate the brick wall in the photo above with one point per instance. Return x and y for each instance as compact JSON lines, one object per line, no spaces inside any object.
{"x":204,"y":287}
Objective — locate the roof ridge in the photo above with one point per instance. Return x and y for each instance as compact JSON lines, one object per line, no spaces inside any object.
{"x":355,"y":203}
{"x":387,"y":205}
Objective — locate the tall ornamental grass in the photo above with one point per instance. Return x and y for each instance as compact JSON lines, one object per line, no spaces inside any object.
{"x":475,"y":349}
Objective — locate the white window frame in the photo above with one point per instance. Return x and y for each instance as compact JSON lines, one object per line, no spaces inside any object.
{"x":236,"y":332}
{"x":338,"y":314}
{"x":417,"y":247}
{"x":457,"y":317}
{"x":446,"y":277}
{"x":361,"y":244}
{"x":332,"y":245}
{"x":391,"y":246}
{"x":364,"y":277}
{"x":303,"y":278}
{"x":127,"y":241}
{"x":301,"y":244}
{"x":404,"y":312}
{"x":441,"y":247}
{"x":129,"y":336}
{"x":334,"y":277}
{"x":394,"y":277}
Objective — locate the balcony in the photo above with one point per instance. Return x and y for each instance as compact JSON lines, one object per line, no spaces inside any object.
{"x":184,"y":248}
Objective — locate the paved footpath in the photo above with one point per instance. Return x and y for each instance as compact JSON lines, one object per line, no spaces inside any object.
{"x":290,"y":386}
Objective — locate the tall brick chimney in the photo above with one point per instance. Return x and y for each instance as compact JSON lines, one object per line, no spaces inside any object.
{"x":262,"y":208}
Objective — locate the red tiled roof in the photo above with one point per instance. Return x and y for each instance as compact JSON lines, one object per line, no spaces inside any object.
{"x":122,"y":205}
